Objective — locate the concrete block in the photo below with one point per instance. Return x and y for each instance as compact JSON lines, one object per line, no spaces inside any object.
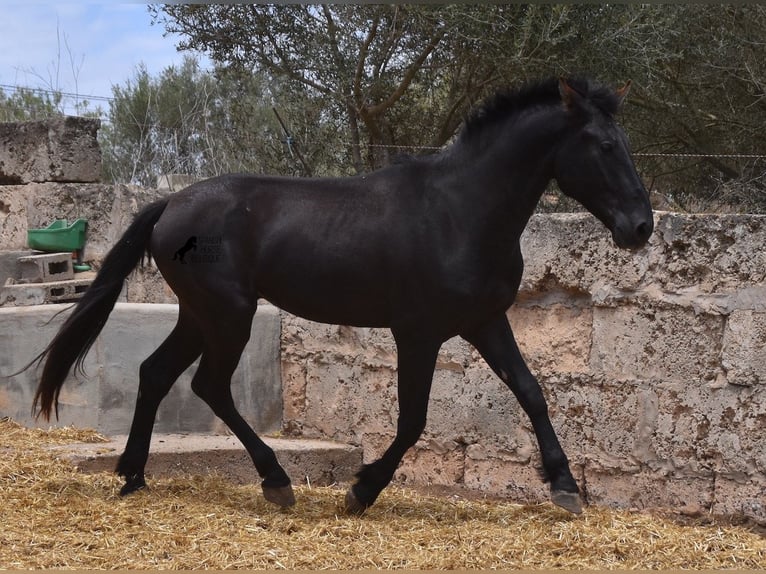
{"x":24,"y":294}
{"x":314,"y":462}
{"x":56,"y":149}
{"x":104,"y":398}
{"x":46,"y":267}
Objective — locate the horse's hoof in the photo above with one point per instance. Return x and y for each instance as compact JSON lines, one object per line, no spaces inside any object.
{"x":280,"y":495}
{"x":570,"y":501}
{"x":132,"y":484}
{"x":353,"y":506}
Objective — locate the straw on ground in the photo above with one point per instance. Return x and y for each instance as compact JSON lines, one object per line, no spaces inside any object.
{"x":56,"y":517}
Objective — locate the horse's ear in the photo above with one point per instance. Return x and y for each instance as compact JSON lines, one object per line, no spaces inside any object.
{"x":571,"y":97}
{"x":622,"y":92}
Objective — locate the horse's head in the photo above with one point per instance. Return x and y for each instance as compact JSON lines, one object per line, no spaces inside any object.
{"x":593,"y":165}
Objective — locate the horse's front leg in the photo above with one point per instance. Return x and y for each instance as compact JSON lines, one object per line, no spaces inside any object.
{"x":416,"y":362}
{"x":495,"y":341}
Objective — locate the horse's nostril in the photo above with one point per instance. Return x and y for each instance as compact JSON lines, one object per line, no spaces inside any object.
{"x":644,"y":230}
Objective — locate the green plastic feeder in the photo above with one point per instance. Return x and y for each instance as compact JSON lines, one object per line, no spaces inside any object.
{"x":59,"y":236}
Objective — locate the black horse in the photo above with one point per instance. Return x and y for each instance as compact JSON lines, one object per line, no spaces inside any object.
{"x":428,"y":247}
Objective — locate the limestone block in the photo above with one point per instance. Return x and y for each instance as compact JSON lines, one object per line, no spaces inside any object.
{"x":656,"y":342}
{"x":13,"y":217}
{"x":572,"y":252}
{"x":343,"y":401}
{"x":648,"y":490}
{"x":293,"y":396}
{"x":473,"y":407}
{"x":741,"y":497}
{"x":9,"y":264}
{"x":432,"y":462}
{"x":341,"y":380}
{"x":175,"y":181}
{"x":599,"y":419}
{"x":711,"y":253}
{"x":109,"y":210}
{"x":374,"y":445}
{"x":59,"y":149}
{"x":342,"y":374}
{"x":146,"y":285}
{"x":744,"y":348}
{"x":553,"y":338}
{"x":697,"y":429}
{"x":302,"y":338}
{"x":520,"y":482}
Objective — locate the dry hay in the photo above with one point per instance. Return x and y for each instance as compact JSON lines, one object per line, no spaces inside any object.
{"x":56,"y":517}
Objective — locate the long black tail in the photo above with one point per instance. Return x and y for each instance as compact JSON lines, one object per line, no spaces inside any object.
{"x":79,"y":332}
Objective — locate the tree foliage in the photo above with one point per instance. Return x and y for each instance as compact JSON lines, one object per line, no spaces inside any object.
{"x":25,"y":104}
{"x":394,"y":77}
{"x":356,"y":84}
{"x":157,"y":125}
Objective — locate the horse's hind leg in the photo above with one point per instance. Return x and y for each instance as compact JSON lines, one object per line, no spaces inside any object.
{"x":157,"y":375}
{"x":225,"y":338}
{"x":495,"y":342}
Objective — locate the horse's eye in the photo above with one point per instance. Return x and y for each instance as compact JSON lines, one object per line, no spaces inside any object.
{"x":607,"y":145}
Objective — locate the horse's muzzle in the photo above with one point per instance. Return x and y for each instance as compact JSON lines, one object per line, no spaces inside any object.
{"x":633,"y":234}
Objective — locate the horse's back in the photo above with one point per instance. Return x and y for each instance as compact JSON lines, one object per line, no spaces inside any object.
{"x":320,"y":248}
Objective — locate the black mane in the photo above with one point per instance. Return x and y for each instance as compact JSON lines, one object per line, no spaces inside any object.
{"x":542,"y":93}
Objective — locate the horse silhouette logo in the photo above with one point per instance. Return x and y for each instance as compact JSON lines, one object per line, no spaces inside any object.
{"x":190,"y":245}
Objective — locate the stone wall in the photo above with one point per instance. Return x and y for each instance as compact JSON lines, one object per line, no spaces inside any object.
{"x":61,"y":149}
{"x":653,"y":364}
{"x":108,"y":209}
{"x":50,"y":170}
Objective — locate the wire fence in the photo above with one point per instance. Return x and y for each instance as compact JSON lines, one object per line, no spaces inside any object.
{"x":73,"y":101}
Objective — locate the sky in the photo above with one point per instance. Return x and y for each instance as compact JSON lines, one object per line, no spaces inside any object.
{"x":80,"y":48}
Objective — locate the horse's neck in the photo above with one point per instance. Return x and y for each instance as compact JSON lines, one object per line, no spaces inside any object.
{"x":509,"y":170}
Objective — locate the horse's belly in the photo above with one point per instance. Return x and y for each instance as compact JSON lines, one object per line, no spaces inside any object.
{"x":357,"y":311}
{"x":339,"y":299}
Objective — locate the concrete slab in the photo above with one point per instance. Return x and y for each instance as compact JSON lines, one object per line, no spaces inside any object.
{"x":9,"y":263}
{"x":104,"y":398}
{"x":316,"y":462}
